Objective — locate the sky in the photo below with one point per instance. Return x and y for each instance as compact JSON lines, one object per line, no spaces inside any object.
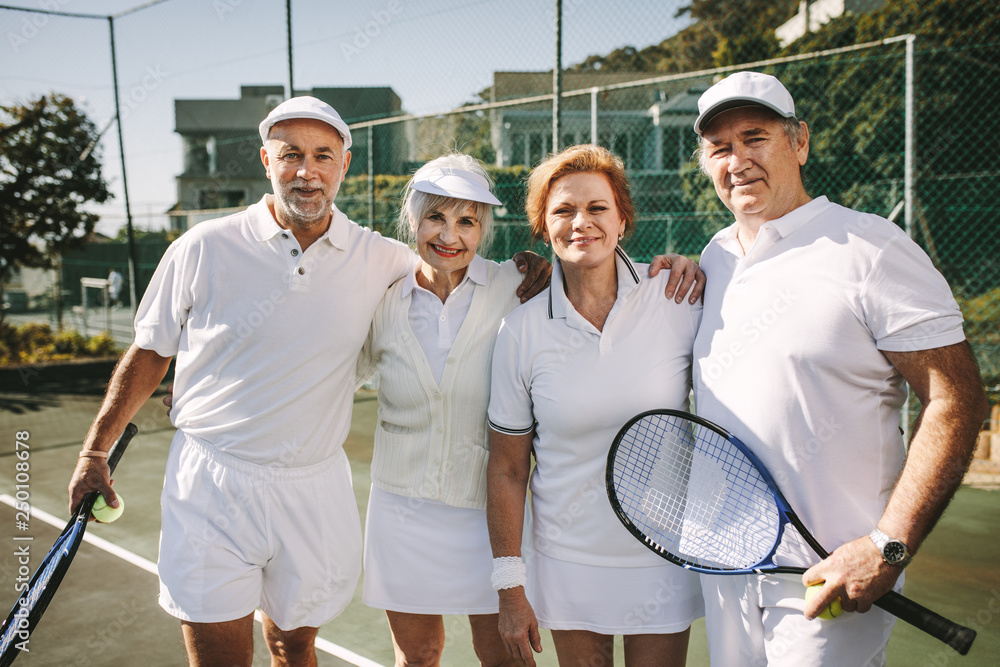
{"x":436,"y":55}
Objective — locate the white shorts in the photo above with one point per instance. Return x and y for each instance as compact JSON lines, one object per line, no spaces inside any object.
{"x":237,"y":536}
{"x":662,"y":599}
{"x":425,"y":557}
{"x":756,"y":620}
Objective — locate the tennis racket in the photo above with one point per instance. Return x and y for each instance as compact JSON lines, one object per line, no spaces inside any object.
{"x":695,"y":495}
{"x":28,"y":609}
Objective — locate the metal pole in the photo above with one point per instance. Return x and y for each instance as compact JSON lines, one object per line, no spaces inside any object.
{"x":910,"y":148}
{"x":371,"y":179}
{"x":908,"y":191}
{"x":288,"y":29}
{"x":132,"y":261}
{"x":593,"y":115}
{"x":557,"y":82}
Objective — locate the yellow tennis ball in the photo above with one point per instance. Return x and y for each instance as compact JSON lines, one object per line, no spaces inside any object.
{"x":106,"y":514}
{"x":831,"y":612}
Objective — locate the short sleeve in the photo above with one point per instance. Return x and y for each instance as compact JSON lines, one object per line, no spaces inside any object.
{"x":907,"y":303}
{"x":164,"y":308}
{"x":510,"y":408}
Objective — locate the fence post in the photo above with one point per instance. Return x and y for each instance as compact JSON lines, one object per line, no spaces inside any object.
{"x":371,"y":179}
{"x":557,"y":82}
{"x":593,"y":115}
{"x":908,"y":162}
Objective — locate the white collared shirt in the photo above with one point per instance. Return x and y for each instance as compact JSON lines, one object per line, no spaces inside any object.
{"x":436,"y":324}
{"x":789,"y":357}
{"x":267,"y":336}
{"x":555,"y":374}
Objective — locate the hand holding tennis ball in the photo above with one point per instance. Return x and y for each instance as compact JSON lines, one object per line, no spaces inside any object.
{"x":831,"y":612}
{"x":104,"y":513}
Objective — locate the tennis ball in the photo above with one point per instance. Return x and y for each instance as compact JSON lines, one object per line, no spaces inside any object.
{"x":105,"y":513}
{"x":831,"y":612}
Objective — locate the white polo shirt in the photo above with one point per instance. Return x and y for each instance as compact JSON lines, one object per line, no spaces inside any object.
{"x":553,"y":367}
{"x":788,"y":357}
{"x":436,"y":324}
{"x":266,"y":336}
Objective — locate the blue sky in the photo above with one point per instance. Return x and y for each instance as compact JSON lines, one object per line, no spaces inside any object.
{"x":436,"y":54}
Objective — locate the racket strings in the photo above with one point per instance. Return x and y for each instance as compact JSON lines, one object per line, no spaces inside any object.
{"x":694,"y":495}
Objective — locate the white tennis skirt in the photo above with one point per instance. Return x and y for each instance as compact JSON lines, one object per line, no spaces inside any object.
{"x":425,"y":557}
{"x":663,"y":599}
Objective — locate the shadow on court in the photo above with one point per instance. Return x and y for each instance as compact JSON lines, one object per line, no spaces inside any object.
{"x":106,"y":611}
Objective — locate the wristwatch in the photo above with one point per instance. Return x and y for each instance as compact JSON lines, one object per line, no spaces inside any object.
{"x":893,"y":551}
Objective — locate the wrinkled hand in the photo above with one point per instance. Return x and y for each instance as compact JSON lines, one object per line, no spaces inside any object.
{"x":685,"y":274}
{"x":537,"y":272}
{"x":855,"y":573}
{"x":518,"y":626}
{"x":91,"y":474}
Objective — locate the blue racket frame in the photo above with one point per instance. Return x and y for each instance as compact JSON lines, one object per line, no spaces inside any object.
{"x":957,"y":636}
{"x":28,"y":609}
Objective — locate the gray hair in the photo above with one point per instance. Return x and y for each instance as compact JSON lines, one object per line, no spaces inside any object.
{"x":790,"y":126}
{"x":418,"y":205}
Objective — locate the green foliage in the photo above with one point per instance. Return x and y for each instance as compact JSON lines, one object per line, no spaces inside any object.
{"x":36,"y":343}
{"x":725,"y":32}
{"x":48,"y":170}
{"x":982,"y":329}
{"x":145,"y":236}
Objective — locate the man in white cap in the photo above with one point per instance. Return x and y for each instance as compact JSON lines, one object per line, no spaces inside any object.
{"x":266,"y":311}
{"x":815,"y":315}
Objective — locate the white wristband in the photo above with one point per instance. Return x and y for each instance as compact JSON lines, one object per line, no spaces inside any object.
{"x":508,"y":572}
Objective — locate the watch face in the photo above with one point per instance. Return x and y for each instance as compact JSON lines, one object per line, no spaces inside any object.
{"x":894,"y":552}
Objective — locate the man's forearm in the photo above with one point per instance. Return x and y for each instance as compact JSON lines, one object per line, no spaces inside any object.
{"x":136,"y":377}
{"x":937,"y":460}
{"x":948,"y":385}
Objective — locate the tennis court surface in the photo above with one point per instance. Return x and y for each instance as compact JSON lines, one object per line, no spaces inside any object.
{"x":106,"y":613}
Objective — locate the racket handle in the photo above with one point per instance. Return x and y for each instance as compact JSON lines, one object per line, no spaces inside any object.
{"x":954,"y":635}
{"x":87,"y":504}
{"x":119,"y":448}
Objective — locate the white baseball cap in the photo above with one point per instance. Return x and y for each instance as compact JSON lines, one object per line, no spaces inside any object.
{"x":305,"y":107}
{"x":743,"y":89}
{"x":454,"y":183}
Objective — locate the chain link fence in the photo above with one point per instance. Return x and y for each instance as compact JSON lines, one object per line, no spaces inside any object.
{"x":191,"y":147}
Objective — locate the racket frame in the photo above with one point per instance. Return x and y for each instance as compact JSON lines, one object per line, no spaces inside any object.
{"x":64,"y":549}
{"x":954,"y":635}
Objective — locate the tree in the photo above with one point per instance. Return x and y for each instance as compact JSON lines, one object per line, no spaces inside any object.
{"x":743,"y":29}
{"x":48,"y":170}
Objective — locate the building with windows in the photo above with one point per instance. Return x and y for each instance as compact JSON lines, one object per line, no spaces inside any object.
{"x":222,"y":169}
{"x":649,"y":126}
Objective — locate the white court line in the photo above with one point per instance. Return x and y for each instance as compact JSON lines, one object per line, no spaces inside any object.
{"x":149,"y":566}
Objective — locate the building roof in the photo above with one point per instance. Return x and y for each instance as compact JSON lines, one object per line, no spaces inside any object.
{"x":255,"y":102}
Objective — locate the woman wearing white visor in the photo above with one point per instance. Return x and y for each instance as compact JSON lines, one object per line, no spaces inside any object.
{"x":427,"y":549}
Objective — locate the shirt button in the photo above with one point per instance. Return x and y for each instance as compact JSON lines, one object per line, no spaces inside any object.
{"x":443,"y":318}
{"x":440,"y":429}
{"x":295,"y":251}
{"x":451,"y":360}
{"x":437,"y":395}
{"x":302,"y":271}
{"x":284,"y":236}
